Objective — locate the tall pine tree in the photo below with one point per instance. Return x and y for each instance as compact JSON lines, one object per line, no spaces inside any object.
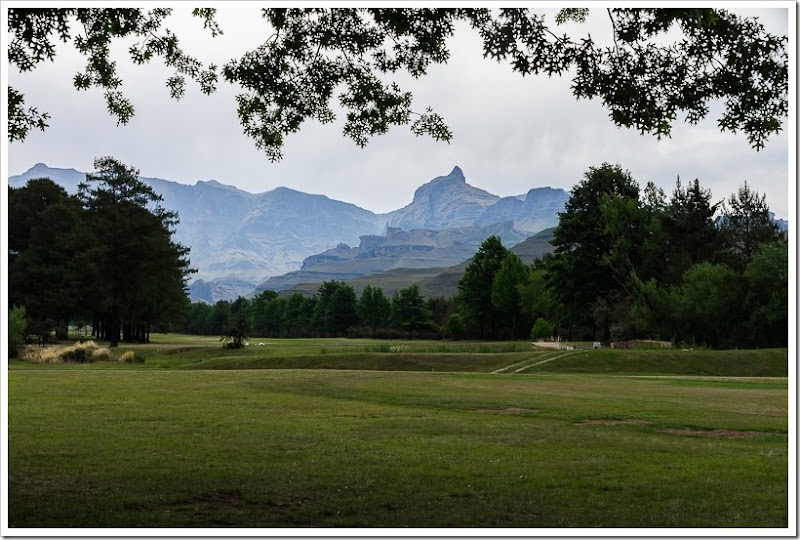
{"x":137,"y":272}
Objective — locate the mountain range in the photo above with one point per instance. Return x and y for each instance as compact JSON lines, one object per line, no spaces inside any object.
{"x":242,"y":242}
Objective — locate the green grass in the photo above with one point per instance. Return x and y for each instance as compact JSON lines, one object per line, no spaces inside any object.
{"x":742,"y":363}
{"x":165,"y":444}
{"x":194,"y":352}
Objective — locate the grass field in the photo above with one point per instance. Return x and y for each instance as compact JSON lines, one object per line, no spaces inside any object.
{"x":419,"y":436}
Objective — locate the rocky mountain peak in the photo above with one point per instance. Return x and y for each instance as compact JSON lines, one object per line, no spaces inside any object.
{"x":238,"y":238}
{"x":455,"y":181}
{"x":444,"y":202}
{"x":456,"y":174}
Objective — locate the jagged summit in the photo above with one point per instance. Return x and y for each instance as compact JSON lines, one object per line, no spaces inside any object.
{"x":444,"y":202}
{"x":457,"y":173}
{"x":454,"y":179}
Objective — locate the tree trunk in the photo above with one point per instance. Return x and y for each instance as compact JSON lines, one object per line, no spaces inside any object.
{"x":113,"y":328}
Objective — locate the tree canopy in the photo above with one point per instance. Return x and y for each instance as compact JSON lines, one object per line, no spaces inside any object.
{"x":628,"y":265}
{"x":315,"y":57}
{"x":476,"y":284}
{"x":137,"y":273}
{"x":104,"y":255}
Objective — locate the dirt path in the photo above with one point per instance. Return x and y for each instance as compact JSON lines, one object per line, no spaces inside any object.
{"x":521,"y":366}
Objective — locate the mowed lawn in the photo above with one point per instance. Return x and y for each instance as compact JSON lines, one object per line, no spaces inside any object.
{"x":100,"y":446}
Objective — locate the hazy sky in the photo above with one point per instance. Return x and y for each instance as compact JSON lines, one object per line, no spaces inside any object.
{"x":510,"y":133}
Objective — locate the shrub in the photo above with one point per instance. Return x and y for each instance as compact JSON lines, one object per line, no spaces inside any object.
{"x":39,"y":355}
{"x":130,"y":357}
{"x":454,"y":327}
{"x":101,"y":355}
{"x":16,"y":330}
{"x":236,"y":332}
{"x":80,"y":352}
{"x":541,"y":329}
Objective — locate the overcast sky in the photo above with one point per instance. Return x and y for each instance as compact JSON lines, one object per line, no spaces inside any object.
{"x":511,"y":133}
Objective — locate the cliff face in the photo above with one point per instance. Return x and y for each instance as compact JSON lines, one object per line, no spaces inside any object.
{"x":536,"y":211}
{"x":397,"y":249}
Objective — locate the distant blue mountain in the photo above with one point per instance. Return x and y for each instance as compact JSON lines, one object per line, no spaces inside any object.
{"x":240,"y":239}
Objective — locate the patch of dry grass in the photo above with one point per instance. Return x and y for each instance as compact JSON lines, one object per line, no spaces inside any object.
{"x":130,"y":357}
{"x":86,"y":351}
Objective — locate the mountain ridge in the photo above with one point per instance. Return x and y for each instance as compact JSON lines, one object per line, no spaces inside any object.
{"x":240,"y":239}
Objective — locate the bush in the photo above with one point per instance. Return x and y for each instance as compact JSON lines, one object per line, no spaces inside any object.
{"x":541,"y":329}
{"x":16,"y":330}
{"x":101,"y":355}
{"x":79,"y":353}
{"x":130,"y":357}
{"x":38,"y":355}
{"x":236,"y":332}
{"x":454,"y":327}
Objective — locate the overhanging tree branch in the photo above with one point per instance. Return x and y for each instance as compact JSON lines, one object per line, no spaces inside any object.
{"x":719,"y":56}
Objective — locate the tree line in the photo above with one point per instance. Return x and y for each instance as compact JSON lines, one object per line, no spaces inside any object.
{"x":334,"y":311}
{"x":628,"y":263}
{"x":103,"y":258}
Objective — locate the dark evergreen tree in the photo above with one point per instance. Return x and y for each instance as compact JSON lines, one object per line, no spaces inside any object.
{"x":236,"y":331}
{"x":373,"y":308}
{"x":220,"y":316}
{"x":341,"y":313}
{"x":475,"y":286}
{"x":335,"y":309}
{"x":637,"y":241}
{"x":440,"y":309}
{"x":198,"y":319}
{"x":298,"y":316}
{"x":408,"y":310}
{"x":25,"y":208}
{"x":691,"y":234}
{"x":267,"y":314}
{"x":582,"y":271}
{"x":137,"y":272}
{"x":507,"y":293}
{"x":44,"y":245}
{"x":745,"y":224}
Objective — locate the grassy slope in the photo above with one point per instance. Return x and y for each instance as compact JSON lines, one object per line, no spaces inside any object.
{"x":175,"y":351}
{"x":647,"y":446}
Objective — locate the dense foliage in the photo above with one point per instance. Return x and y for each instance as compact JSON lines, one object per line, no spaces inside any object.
{"x":17,"y":323}
{"x":645,"y":78}
{"x":334,"y":311}
{"x":104,"y":256}
{"x":632,"y":265}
